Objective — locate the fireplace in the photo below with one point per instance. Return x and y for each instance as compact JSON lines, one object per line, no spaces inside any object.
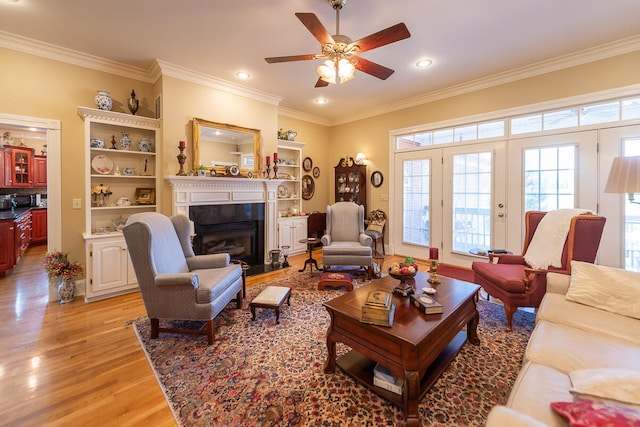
{"x":213,"y":203}
{"x":236,"y":229}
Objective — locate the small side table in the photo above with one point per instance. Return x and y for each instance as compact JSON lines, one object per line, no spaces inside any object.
{"x":311,"y":242}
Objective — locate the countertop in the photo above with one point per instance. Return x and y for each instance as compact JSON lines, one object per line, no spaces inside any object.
{"x":13,"y":214}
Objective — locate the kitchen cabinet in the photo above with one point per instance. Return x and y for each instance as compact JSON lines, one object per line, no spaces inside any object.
{"x":7,"y":245}
{"x":351,"y":182}
{"x":290,"y":231}
{"x":18,"y":167}
{"x":38,"y":225}
{"x":22,"y":234}
{"x":127,"y":168}
{"x":39,"y":171}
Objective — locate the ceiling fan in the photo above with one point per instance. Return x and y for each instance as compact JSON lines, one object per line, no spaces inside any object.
{"x":340,"y":52}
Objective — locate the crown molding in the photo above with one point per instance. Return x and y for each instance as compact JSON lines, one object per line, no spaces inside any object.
{"x":186,"y":74}
{"x":596,"y":53}
{"x":294,"y":114}
{"x":70,"y":56}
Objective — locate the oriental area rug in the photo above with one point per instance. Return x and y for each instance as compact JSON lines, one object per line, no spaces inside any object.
{"x":258,"y":373}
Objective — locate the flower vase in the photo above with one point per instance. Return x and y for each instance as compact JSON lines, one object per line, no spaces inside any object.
{"x":103,"y":100}
{"x":66,"y":290}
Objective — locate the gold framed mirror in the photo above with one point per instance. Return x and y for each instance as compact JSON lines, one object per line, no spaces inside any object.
{"x":220,"y":146}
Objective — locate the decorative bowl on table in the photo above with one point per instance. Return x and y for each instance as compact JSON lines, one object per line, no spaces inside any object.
{"x":403,"y":272}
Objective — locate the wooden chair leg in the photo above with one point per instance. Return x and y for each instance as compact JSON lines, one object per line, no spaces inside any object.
{"x":155,"y":328}
{"x":509,"y":311}
{"x":239,"y":299}
{"x":383,"y":252}
{"x":210,"y":334}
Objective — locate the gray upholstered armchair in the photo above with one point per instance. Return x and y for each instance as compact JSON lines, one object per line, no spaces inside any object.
{"x":345,"y":242}
{"x":174,"y":282}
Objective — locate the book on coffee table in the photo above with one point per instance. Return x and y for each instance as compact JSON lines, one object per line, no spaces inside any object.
{"x":426,"y":304}
{"x":394,"y":387}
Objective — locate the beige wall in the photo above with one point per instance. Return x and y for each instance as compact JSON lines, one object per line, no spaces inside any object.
{"x":38,"y":87}
{"x":316,"y":146}
{"x":371,"y":135}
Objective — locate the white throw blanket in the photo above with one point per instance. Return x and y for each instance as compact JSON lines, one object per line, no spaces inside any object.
{"x":545,"y":248}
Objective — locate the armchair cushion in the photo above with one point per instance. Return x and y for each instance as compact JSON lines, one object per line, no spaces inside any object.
{"x":347,"y":248}
{"x":213,"y":282}
{"x":178,"y":279}
{"x":199,"y":262}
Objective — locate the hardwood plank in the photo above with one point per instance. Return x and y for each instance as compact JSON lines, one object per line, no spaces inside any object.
{"x":76,"y":364}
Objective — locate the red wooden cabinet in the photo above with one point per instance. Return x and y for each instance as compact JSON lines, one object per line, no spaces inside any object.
{"x":39,"y":171}
{"x":7,"y":245}
{"x":38,"y":225}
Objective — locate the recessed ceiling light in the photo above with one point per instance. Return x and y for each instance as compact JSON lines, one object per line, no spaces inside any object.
{"x":243,"y":75}
{"x":424,"y":63}
{"x":320,"y":101}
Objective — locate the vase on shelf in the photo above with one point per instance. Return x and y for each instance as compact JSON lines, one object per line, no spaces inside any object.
{"x":103,"y":100}
{"x":66,"y":290}
{"x":125,"y":142}
{"x":133,"y":103}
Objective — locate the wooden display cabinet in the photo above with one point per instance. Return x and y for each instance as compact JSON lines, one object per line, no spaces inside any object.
{"x":351,"y":182}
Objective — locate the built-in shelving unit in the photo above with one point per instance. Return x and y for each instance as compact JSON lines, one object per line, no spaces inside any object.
{"x":291,"y":227}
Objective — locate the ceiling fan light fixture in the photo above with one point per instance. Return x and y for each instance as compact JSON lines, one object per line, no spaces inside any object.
{"x":339,"y":71}
{"x":346,"y":70}
{"x":327,"y":71}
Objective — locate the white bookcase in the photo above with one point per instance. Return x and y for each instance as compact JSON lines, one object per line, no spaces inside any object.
{"x":131,"y":177}
{"x":291,"y":226}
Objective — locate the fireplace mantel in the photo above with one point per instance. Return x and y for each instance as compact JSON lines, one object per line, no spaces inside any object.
{"x":197,"y":191}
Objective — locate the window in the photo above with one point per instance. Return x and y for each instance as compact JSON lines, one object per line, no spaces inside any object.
{"x":416,"y":178}
{"x":549,"y":176}
{"x":472,"y":175}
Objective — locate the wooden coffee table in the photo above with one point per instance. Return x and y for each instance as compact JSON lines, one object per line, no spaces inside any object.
{"x":417,"y":348}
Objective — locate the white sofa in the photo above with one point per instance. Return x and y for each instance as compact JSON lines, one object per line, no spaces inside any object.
{"x":571,"y":336}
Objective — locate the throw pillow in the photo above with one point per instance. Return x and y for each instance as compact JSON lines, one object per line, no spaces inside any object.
{"x":613,"y":384}
{"x":587,"y":413}
{"x":611,"y":289}
{"x":376,"y":226}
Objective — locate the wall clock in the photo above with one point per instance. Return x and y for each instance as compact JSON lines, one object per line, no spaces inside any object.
{"x":307,"y":164}
{"x":376,"y":179}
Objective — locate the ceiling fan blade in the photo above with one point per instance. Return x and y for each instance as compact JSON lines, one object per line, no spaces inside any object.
{"x":275,"y":59}
{"x":321,"y":83}
{"x":316,"y":28}
{"x":388,"y":35}
{"x":376,"y":70}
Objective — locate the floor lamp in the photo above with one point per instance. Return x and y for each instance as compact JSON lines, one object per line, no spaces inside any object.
{"x":624,"y":177}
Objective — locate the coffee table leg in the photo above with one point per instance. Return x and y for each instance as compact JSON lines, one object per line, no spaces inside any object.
{"x":330,"y":365}
{"x":412,"y":383}
{"x":472,"y":329}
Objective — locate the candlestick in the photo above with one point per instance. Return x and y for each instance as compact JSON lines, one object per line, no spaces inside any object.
{"x":275,"y":171}
{"x":268,"y":171}
{"x":181,"y":159}
{"x":433,"y":253}
{"x":268,"y":161}
{"x":275,"y":157}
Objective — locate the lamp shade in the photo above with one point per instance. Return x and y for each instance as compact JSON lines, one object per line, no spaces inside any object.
{"x":624,"y":176}
{"x":360,"y":158}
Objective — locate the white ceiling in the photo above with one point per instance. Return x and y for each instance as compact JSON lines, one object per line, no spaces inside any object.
{"x":467,"y":40}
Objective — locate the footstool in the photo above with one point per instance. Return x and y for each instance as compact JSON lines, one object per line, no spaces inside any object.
{"x":271,"y":297}
{"x":335,"y":280}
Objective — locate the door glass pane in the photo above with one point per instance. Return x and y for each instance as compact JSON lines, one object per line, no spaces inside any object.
{"x":549,"y":178}
{"x":472,"y":201}
{"x":631,"y":217}
{"x":415,"y":221}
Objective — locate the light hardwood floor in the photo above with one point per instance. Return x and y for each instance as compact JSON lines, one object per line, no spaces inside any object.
{"x":77,"y":364}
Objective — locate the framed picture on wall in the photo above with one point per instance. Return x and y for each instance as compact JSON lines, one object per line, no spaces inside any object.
{"x":145,"y":196}
{"x":376,"y":179}
{"x":308,"y":187}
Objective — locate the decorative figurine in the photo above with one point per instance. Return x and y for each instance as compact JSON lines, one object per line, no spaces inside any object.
{"x":133,"y":103}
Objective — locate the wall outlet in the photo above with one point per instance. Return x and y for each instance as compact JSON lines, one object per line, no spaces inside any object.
{"x":77,"y":204}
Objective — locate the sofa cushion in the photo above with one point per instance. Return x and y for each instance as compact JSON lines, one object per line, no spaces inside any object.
{"x":567,"y":349}
{"x":536,"y":386}
{"x":587,"y":413}
{"x":606,"y":288}
{"x":557,"y":309}
{"x":346,"y":248}
{"x":617,"y":385}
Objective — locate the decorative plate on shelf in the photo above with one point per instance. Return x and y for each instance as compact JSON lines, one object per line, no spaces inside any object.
{"x":102,"y":164}
{"x":283,"y":191}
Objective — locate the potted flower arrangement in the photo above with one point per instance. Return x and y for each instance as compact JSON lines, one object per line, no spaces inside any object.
{"x":57,"y":264}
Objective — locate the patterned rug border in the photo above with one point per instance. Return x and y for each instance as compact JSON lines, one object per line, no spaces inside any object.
{"x":523,"y":322}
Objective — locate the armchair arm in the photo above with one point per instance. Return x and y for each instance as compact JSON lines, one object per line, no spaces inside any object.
{"x":529,"y":276}
{"x":177,"y":279}
{"x":201,"y":262}
{"x":326,"y":240}
{"x":365,"y":239}
{"x":507,"y":258}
